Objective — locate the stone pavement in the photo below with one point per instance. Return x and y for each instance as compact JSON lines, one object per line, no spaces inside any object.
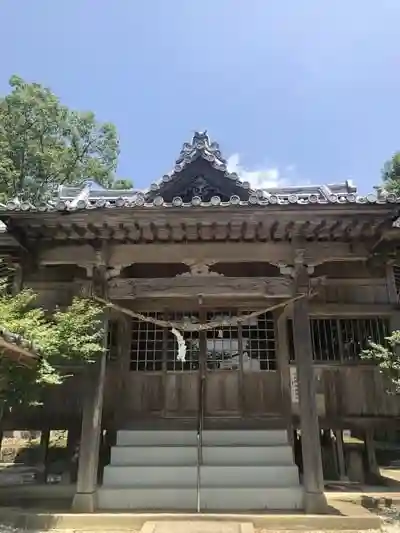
{"x":194,"y":526}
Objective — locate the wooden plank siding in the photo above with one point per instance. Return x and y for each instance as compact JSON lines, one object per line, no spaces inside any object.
{"x":354,"y":291}
{"x":348,"y":392}
{"x":355,"y":391}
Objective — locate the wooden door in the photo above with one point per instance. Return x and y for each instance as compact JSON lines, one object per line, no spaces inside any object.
{"x":221,"y":352}
{"x":241,"y":377}
{"x":238,"y":365}
{"x":182,"y":378}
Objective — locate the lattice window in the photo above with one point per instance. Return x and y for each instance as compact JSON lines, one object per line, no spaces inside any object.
{"x":341,"y":339}
{"x":192,"y":340}
{"x":259,"y":343}
{"x":325,"y":339}
{"x":147,"y":345}
{"x":154,"y":348}
{"x":356,"y":335}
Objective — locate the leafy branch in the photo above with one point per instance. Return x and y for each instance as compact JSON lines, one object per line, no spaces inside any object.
{"x":387,"y":357}
{"x":73,"y":336}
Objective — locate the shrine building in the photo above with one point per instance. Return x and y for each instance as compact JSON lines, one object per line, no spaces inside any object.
{"x":234,"y":337}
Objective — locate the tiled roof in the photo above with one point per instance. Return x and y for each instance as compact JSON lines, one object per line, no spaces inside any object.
{"x":90,"y":196}
{"x":10,"y":342}
{"x":256,"y":198}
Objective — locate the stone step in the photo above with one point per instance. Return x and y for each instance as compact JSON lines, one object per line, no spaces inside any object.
{"x":247,"y":455}
{"x":245,"y":437}
{"x":246,"y":499}
{"x":157,"y":476}
{"x":210,"y":476}
{"x":212,"y":455}
{"x":152,"y":455}
{"x":212,"y":499}
{"x":147,"y":498}
{"x":249,"y":476}
{"x":210,"y":437}
{"x":156,"y":438}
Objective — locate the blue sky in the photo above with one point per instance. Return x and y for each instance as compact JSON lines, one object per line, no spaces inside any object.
{"x":300,"y":91}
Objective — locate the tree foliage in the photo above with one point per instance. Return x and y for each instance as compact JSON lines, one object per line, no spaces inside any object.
{"x":44,"y":144}
{"x":70,"y":336}
{"x":391,"y":174}
{"x":387,"y":357}
{"x":122,"y":184}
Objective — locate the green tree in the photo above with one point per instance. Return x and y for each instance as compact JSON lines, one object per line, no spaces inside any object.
{"x":122,"y":184}
{"x":391,"y":174}
{"x":387,"y":357}
{"x":44,"y":144}
{"x":66,"y":337}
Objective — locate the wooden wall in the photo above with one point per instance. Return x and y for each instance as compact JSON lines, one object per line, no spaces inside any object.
{"x":345,"y":393}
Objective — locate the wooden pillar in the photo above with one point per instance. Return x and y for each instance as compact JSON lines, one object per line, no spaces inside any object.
{"x":85,"y":497}
{"x":44,"y":450}
{"x":313,"y":480}
{"x":281,"y":319}
{"x":340,"y":456}
{"x":17,"y":283}
{"x":372,"y":463}
{"x":123,"y":363}
{"x":391,"y":284}
{"x":72,"y":443}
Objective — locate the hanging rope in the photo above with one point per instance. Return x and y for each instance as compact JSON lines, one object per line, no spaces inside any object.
{"x":186,"y":325}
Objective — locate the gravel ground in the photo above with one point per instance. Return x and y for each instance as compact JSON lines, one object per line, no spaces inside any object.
{"x":390,"y":516}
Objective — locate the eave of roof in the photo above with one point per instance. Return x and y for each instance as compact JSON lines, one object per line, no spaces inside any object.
{"x":255,"y":200}
{"x":18,"y":349}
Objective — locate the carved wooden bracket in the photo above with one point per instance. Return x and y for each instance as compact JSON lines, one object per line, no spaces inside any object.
{"x":198,"y":268}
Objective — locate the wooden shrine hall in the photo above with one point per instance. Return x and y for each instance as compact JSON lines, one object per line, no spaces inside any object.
{"x":235,"y":334}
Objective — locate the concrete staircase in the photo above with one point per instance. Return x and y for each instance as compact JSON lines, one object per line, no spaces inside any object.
{"x":246,"y":470}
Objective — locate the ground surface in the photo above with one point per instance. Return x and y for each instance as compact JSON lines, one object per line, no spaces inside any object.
{"x":390,"y":516}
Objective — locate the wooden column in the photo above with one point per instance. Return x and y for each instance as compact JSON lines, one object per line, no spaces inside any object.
{"x":44,"y":450}
{"x":72,"y":442}
{"x":372,"y":463}
{"x":313,"y":480}
{"x":340,"y":456}
{"x":85,"y":498}
{"x":124,"y":354}
{"x":281,"y":318}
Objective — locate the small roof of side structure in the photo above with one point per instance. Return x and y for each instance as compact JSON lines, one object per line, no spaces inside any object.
{"x":18,"y":349}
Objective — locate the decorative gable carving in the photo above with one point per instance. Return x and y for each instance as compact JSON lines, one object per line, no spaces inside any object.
{"x":203,"y":189}
{"x":200,"y":172}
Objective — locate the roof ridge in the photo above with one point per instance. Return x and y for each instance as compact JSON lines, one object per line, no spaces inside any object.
{"x":200,"y":146}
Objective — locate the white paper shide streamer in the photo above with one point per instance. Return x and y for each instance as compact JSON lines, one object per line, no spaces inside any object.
{"x":181,"y":356}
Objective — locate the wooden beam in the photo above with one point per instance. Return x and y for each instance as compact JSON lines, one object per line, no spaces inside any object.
{"x":192,"y":286}
{"x":351,"y":310}
{"x":236,"y":252}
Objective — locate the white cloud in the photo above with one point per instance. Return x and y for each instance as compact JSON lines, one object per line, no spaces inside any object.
{"x":261,"y":178}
